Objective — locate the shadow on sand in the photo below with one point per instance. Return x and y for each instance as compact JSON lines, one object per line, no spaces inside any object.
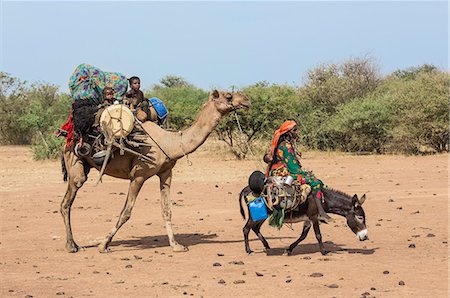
{"x":158,"y":241}
{"x":311,"y":248}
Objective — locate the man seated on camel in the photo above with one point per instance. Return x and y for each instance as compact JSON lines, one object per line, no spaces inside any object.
{"x":283,"y":161}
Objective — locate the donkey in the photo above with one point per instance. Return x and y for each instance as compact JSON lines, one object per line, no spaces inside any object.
{"x":335,"y":202}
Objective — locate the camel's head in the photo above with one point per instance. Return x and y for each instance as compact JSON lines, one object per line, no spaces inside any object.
{"x":226,"y":102}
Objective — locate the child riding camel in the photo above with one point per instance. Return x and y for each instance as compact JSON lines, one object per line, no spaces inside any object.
{"x":136,"y":100}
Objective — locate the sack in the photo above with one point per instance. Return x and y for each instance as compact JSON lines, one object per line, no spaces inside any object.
{"x":87,"y":83}
{"x":141,"y":115}
{"x":160,"y":109}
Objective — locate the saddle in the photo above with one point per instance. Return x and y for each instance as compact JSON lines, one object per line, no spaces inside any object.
{"x":285,"y":193}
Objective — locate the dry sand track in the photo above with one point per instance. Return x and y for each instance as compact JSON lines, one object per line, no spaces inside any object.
{"x":407,"y":215}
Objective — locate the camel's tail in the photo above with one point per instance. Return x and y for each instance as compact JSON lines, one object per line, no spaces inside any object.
{"x":243,"y":193}
{"x":63,"y":168}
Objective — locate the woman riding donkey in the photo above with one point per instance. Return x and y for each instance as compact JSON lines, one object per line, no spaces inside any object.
{"x":283,"y":161}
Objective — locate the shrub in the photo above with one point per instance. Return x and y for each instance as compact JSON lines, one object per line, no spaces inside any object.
{"x":271,"y":105}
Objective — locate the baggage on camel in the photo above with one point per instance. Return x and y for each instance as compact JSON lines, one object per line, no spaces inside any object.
{"x":87,"y":83}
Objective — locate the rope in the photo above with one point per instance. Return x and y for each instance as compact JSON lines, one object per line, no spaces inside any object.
{"x":140,"y":124}
{"x":189,"y":162}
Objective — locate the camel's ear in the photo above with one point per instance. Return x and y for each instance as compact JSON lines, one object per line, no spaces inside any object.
{"x":362,"y":200}
{"x":215,"y":94}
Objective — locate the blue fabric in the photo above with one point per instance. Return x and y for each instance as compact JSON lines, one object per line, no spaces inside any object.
{"x":160,"y":108}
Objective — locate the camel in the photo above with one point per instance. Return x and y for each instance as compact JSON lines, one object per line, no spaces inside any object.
{"x":164,"y":149}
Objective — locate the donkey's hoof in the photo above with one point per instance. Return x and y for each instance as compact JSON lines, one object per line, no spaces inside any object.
{"x":72,"y":247}
{"x":287,"y":252}
{"x":179,"y":248}
{"x":325,"y":252}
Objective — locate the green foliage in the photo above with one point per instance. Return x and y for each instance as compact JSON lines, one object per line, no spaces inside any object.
{"x":31,"y":114}
{"x":329,"y":85}
{"x":13,"y":103}
{"x":360,"y":125}
{"x":419,"y":106}
{"x":183,"y":101}
{"x":47,"y":147}
{"x":346,"y":106}
{"x":271,"y":105}
{"x":172,"y":81}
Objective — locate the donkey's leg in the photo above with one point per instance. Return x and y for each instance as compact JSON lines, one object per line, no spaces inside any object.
{"x":246,"y":229}
{"x":256,"y":228}
{"x":165,"y":180}
{"x":319,"y":236}
{"x":306,"y":227}
{"x":133,"y":191}
{"x":77,"y":173}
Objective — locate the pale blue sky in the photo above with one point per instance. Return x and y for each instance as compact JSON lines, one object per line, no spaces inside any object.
{"x":217,"y":44}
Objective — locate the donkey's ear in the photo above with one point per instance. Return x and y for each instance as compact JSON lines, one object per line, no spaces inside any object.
{"x":355,"y":200}
{"x":215,"y":94}
{"x":362,"y":200}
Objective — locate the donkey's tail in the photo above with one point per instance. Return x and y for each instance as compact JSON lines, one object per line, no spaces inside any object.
{"x":63,"y":168}
{"x":242,"y":195}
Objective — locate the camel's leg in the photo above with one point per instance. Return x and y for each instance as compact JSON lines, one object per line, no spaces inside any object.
{"x":306,"y":227}
{"x":257,"y":229}
{"x":165,"y":181}
{"x":77,"y":173}
{"x":133,"y":191}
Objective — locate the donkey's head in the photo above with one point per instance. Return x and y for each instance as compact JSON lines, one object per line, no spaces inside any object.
{"x":356,"y":218}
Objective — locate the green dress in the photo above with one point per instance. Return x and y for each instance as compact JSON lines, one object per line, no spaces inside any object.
{"x":287,"y":164}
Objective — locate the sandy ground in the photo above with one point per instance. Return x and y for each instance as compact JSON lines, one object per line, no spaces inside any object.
{"x":407,"y":205}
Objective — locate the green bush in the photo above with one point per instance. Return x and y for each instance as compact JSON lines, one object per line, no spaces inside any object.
{"x":47,"y":147}
{"x":182,"y":99}
{"x":346,"y":106}
{"x":360,"y":125}
{"x":330,"y":85}
{"x":31,"y":115}
{"x":420,"y":107}
{"x":271,"y":105}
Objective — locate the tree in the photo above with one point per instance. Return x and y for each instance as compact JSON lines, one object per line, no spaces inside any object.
{"x":271,"y":105}
{"x":171,"y":81}
{"x":182,"y":99}
{"x":329,"y":85}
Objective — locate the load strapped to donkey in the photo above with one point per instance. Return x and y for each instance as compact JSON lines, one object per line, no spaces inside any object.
{"x":278,"y":194}
{"x":96,"y":129}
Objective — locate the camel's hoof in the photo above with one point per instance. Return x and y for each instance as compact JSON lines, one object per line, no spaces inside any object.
{"x":103,"y":248}
{"x":72,"y":247}
{"x":180,"y":248}
{"x":250,"y":253}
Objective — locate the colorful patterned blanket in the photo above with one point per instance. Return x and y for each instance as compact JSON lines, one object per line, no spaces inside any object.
{"x":87,"y":83}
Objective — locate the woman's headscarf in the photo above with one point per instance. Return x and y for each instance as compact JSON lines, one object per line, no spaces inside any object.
{"x":284,"y":128}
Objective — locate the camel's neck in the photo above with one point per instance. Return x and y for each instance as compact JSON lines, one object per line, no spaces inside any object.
{"x":195,"y":136}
